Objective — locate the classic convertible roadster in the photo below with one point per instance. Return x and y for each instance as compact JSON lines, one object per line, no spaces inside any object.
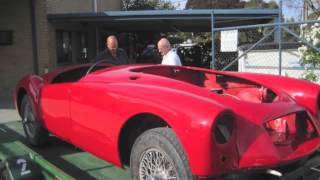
{"x":174,"y":122}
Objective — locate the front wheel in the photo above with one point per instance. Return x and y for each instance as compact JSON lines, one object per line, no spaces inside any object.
{"x":157,"y":154}
{"x":35,"y":133}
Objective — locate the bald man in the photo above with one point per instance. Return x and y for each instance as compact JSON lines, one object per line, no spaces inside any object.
{"x":112,"y":53}
{"x":169,"y":55}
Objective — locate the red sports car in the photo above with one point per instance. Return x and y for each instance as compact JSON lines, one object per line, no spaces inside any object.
{"x":174,"y":122}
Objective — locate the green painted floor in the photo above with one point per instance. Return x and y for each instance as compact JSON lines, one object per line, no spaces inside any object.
{"x":71,"y":160}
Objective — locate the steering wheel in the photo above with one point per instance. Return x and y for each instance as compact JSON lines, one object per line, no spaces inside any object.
{"x":99,"y":62}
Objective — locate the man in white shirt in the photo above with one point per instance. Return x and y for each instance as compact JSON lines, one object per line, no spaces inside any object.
{"x":169,"y":55}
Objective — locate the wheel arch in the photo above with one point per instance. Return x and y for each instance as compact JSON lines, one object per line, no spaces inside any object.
{"x":133,"y":128}
{"x":30,"y":85}
{"x":20,"y":94}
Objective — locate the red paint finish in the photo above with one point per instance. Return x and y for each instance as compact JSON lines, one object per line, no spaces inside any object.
{"x":90,"y":111}
{"x":55,"y":107}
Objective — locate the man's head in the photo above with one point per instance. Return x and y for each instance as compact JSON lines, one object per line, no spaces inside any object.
{"x":112,"y":44}
{"x":164,"y":46}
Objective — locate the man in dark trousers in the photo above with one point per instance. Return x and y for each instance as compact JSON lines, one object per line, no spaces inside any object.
{"x":112,"y":53}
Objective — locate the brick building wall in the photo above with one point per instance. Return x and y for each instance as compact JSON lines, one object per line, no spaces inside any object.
{"x":16,"y":60}
{"x":43,"y":37}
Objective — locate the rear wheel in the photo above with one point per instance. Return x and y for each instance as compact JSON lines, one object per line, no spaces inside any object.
{"x":35,"y":133}
{"x":157,"y":154}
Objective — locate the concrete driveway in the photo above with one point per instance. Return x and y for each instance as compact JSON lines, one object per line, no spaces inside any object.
{"x":8,"y":112}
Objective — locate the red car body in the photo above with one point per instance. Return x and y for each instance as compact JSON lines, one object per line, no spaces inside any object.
{"x":96,"y":112}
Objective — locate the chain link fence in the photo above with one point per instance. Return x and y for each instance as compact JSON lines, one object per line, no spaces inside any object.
{"x":293,"y":51}
{"x":250,"y":42}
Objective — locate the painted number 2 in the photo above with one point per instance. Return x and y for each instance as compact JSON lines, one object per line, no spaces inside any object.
{"x":23,"y":164}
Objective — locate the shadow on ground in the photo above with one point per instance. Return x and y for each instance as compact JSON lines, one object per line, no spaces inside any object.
{"x":71,"y":160}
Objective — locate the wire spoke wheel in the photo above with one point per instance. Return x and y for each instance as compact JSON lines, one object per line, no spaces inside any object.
{"x":156,"y":165}
{"x":29,"y":120}
{"x":35,"y":133}
{"x":157,"y":154}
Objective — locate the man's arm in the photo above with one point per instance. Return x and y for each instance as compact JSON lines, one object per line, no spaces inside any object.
{"x":177,"y":60}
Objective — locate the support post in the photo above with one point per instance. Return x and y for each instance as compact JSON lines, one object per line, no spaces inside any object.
{"x":212,"y":41}
{"x":280,"y":36}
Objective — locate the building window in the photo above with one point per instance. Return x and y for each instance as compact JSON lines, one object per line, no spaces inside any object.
{"x":6,"y":38}
{"x":64,"y":47}
{"x":82,"y":42}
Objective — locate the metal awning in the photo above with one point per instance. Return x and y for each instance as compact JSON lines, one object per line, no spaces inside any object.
{"x":169,"y":20}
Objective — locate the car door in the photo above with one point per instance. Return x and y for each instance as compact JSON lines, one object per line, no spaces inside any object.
{"x":95,"y":119}
{"x":55,"y":108}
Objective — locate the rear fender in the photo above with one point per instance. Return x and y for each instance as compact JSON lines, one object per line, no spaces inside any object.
{"x":305,"y":93}
{"x":32,"y":85}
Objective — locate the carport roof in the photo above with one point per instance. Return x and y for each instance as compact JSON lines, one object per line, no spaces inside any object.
{"x":169,"y":20}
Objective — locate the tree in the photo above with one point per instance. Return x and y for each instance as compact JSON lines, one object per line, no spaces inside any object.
{"x":315,"y":6}
{"x":311,"y":8}
{"x":128,"y":5}
{"x":315,"y":9}
{"x":309,"y":57}
{"x":230,"y":4}
{"x":208,"y":4}
{"x":261,"y":4}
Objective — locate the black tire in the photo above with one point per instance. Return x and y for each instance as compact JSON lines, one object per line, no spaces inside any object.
{"x":35,"y":133}
{"x":164,"y":143}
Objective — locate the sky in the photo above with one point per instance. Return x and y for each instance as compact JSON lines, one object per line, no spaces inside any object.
{"x":180,"y":4}
{"x":287,"y":12}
